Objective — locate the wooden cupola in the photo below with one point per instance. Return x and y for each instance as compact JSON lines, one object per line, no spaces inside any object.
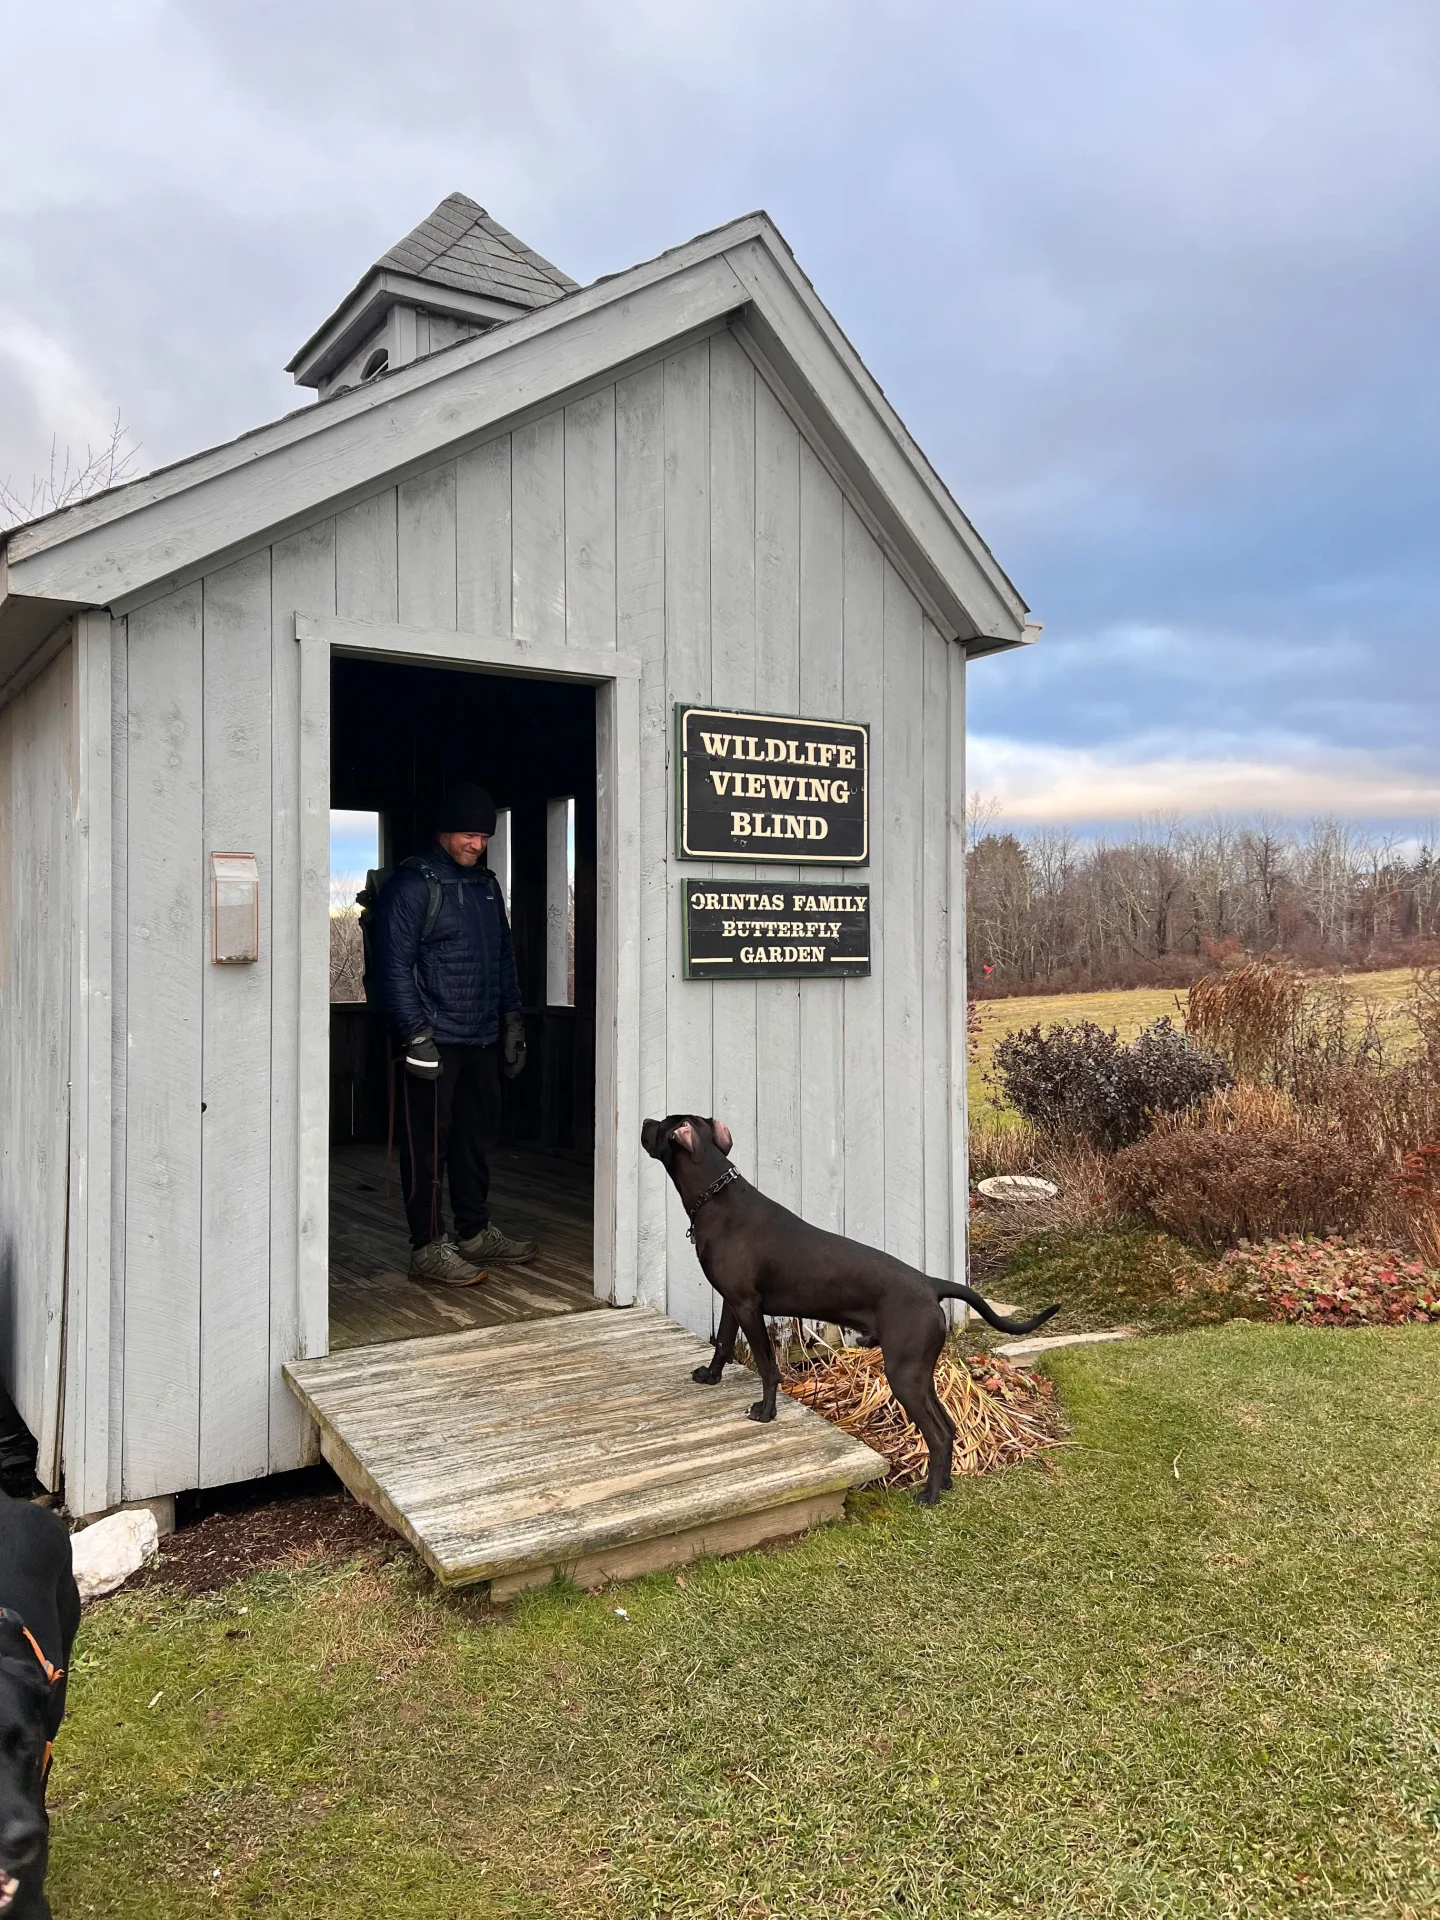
{"x":458,"y":273}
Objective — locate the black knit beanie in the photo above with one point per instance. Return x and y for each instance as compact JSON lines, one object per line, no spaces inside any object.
{"x":466,"y":808}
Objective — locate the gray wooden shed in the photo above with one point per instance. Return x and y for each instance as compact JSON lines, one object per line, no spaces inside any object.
{"x":678,"y":485}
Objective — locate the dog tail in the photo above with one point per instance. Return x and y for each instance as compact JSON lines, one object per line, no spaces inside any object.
{"x":952,"y":1290}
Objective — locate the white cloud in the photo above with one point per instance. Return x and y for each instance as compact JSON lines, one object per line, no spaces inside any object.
{"x":1035,"y":782}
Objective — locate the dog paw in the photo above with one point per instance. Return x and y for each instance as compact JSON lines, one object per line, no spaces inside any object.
{"x":928,"y":1497}
{"x":760,"y":1412}
{"x":705,"y":1376}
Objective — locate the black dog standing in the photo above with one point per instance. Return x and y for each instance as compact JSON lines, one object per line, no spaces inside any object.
{"x":765,"y":1261}
{"x":39,"y":1615}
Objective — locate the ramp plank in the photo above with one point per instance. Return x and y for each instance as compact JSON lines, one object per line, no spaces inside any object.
{"x":577,"y":1443}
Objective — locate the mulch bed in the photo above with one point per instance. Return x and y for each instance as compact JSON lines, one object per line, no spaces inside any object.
{"x":1002,"y":1414}
{"x":298,"y":1529}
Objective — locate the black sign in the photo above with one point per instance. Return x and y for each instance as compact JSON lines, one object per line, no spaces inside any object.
{"x":764,"y":786}
{"x":769,"y":930}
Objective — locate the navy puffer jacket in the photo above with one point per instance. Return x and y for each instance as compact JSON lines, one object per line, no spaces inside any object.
{"x":462,"y":979}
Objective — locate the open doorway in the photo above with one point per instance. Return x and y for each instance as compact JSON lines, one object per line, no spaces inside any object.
{"x":400,"y":734}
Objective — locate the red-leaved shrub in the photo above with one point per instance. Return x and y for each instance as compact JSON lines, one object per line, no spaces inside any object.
{"x":1323,"y":1283}
{"x":1215,"y":1189}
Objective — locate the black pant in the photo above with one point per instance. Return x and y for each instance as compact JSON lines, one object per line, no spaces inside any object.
{"x":453,"y":1123}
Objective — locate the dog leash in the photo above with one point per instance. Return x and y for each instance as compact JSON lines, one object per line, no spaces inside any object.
{"x":51,"y":1672}
{"x":730,"y":1173}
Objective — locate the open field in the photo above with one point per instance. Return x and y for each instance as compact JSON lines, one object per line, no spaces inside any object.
{"x":1131,"y":1010}
{"x":1187,"y":1671}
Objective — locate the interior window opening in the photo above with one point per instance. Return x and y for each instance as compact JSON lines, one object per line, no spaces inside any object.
{"x":560,"y":902}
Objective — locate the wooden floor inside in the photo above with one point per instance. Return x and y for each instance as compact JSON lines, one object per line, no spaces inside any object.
{"x":576,"y":1443}
{"x":535,"y":1196}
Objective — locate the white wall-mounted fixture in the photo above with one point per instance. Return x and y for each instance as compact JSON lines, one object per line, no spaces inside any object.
{"x":235,"y":909}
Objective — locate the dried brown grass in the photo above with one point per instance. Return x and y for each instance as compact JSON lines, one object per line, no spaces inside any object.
{"x":1002,"y":1415}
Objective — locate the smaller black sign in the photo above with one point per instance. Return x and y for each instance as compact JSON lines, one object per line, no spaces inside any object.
{"x":771,"y":932}
{"x":766,"y":786}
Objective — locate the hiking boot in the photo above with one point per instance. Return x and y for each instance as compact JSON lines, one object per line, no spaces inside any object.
{"x":444,"y":1265}
{"x":497,"y":1248}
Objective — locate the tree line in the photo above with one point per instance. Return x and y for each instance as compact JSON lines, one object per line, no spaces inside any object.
{"x":1051,"y":911}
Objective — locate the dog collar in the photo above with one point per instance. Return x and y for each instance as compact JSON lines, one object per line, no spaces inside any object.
{"x":730,"y":1173}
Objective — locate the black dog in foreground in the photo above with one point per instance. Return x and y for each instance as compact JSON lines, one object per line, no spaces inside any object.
{"x":39,"y":1614}
{"x":764,"y":1260}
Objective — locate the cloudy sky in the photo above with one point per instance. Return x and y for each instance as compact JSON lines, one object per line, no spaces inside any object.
{"x":1154,"y":282}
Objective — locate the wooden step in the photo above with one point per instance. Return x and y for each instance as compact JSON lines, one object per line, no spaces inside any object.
{"x":576,"y":1444}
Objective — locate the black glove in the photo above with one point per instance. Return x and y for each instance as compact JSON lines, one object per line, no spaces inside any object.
{"x":514,"y":1044}
{"x":422,"y":1056}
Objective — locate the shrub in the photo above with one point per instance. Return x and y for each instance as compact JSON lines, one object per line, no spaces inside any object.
{"x":1079,"y":1082}
{"x":1323,"y":1283}
{"x":1417,"y":1188}
{"x":1215,"y":1189}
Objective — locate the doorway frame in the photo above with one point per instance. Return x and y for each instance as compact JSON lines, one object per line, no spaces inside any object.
{"x":320,"y":638}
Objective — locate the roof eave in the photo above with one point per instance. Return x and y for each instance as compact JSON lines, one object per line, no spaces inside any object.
{"x":365,"y":311}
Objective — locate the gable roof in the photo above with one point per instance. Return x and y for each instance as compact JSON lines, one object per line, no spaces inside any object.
{"x":149,"y":535}
{"x":460,"y":246}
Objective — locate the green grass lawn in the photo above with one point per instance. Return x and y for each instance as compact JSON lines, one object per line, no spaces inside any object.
{"x":1189,"y":1670}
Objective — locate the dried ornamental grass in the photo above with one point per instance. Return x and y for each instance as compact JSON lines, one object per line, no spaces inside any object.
{"x":1325,"y":1283}
{"x":1417,"y":1188}
{"x":1002,"y":1415}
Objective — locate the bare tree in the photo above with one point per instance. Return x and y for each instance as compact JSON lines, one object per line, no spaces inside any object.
{"x":69,"y":478}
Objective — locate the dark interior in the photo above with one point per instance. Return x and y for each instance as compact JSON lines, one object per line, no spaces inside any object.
{"x":399,"y":735}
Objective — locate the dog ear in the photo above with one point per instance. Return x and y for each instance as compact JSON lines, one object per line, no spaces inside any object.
{"x":724,"y":1139}
{"x":684,"y":1136}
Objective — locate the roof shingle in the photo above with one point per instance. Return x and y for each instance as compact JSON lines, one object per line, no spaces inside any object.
{"x":460,"y":246}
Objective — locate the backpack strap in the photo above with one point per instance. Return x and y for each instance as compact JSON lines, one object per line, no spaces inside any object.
{"x":432,"y":911}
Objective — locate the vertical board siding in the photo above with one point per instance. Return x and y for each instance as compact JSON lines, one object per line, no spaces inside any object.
{"x":821,"y":1074}
{"x":166,"y":936}
{"x":590,"y":520}
{"x":367,"y":561}
{"x":37,"y":767}
{"x":640,"y":469}
{"x":935,"y":982}
{"x":777,"y":690}
{"x":959,"y":1105}
{"x":483,"y":565}
{"x":235,"y":1167}
{"x":732,"y":684}
{"x":302,"y":580}
{"x":119,"y":1039}
{"x":688,"y":1042}
{"x":864,"y":696}
{"x":426,"y":546}
{"x":537,"y":519}
{"x":899,"y":814}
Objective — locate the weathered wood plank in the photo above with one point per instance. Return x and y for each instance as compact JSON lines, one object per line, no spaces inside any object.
{"x":302,"y":580}
{"x":236,"y":1025}
{"x":865,"y":999}
{"x":590,"y":520}
{"x":37,"y":766}
{"x":640,"y":602}
{"x":549,"y":1442}
{"x":165,"y":1071}
{"x":617,"y":990}
{"x":87,"y":1358}
{"x":427,"y":548}
{"x":367,"y":559}
{"x":935,"y":981}
{"x":732,"y":684}
{"x":537,"y":509}
{"x":777,"y":690}
{"x":822,"y":693}
{"x":119,"y":1039}
{"x":688,"y":1038}
{"x":483,"y":591}
{"x":899,"y":813}
{"x":959,"y":1059}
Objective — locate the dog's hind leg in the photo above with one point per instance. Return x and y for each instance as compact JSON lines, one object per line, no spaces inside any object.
{"x":724,"y":1349}
{"x":910,"y":1369}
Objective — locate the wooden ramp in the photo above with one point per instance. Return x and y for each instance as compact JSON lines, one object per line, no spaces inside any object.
{"x":578,"y":1445}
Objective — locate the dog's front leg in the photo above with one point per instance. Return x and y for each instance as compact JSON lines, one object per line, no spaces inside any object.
{"x":752,"y":1325}
{"x":724,"y":1349}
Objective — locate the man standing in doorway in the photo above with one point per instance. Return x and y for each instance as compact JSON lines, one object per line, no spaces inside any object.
{"x":446,"y":972}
